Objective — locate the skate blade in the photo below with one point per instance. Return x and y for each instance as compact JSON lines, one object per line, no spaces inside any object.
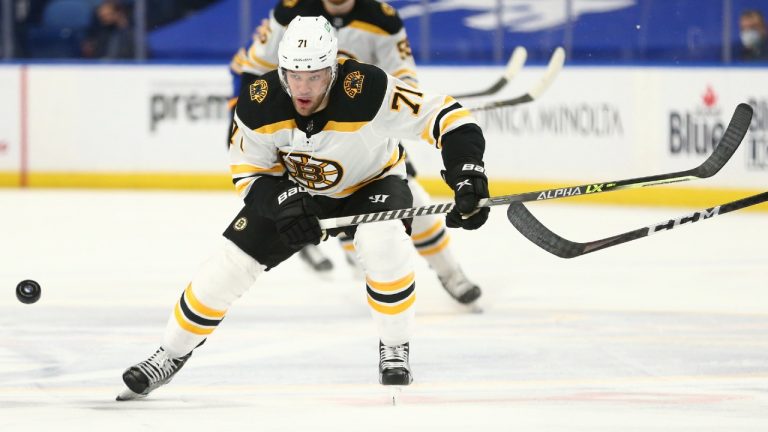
{"x":128,"y":394}
{"x":474,"y":308}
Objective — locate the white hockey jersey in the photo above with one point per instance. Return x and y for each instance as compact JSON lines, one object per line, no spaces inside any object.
{"x":372,"y":32}
{"x":350,"y":143}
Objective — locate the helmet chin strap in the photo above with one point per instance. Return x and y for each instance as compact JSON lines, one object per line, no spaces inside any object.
{"x":334,"y":75}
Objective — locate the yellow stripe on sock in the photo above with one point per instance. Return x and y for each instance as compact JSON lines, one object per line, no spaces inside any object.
{"x":392,"y":286}
{"x":392,"y":310}
{"x":428,"y":233}
{"x":200,"y":308}
{"x":190,"y":327}
{"x":437,"y":248}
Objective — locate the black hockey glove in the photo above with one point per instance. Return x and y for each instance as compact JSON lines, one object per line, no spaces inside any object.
{"x":469,"y":185}
{"x":296,"y":217}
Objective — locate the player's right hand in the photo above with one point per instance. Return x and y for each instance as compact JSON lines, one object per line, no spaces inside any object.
{"x":296,"y":217}
{"x":470,"y":185}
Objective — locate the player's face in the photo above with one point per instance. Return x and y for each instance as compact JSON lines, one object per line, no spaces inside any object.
{"x":308,"y":89}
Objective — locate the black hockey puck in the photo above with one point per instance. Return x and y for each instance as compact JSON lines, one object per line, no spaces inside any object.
{"x":28,"y":291}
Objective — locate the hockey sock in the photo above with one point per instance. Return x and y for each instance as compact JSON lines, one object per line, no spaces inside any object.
{"x":386,"y":255}
{"x":221,"y":280}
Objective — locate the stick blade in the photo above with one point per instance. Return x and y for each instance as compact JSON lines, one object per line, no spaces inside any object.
{"x":515,"y":63}
{"x":729,"y":143}
{"x":530,"y":227}
{"x":513,"y":67}
{"x":554,"y":67}
{"x":543,"y":237}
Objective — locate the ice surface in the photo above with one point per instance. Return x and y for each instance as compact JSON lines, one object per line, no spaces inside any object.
{"x":667,"y":333}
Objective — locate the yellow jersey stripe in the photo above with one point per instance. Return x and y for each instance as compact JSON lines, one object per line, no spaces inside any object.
{"x":344,"y":126}
{"x":258,"y":60}
{"x":392,"y":310}
{"x":243,"y":185}
{"x":276,"y":127}
{"x":367,"y":27}
{"x":404,"y":71}
{"x":231,"y":103}
{"x":452,"y":117}
{"x":426,"y":134}
{"x":253,"y":169}
{"x":397,"y":285}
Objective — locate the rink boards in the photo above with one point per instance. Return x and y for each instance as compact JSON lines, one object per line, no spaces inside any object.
{"x":165,"y":126}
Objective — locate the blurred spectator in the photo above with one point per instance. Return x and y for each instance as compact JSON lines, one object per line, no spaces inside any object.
{"x":26,"y":13}
{"x":111,"y":35}
{"x":753,"y":35}
{"x":31,"y":10}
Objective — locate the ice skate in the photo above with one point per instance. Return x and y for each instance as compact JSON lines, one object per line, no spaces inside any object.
{"x":394,"y":369}
{"x":150,"y":374}
{"x":460,"y":288}
{"x":314,"y":257}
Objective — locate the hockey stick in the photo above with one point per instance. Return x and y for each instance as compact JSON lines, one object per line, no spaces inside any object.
{"x":554,"y":67}
{"x":543,"y":237}
{"x":515,"y":63}
{"x":728,"y":144}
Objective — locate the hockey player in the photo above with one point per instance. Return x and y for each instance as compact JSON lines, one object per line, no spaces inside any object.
{"x":372,"y":32}
{"x":317,"y":138}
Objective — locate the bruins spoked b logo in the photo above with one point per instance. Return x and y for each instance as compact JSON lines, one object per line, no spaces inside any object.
{"x":353,"y":84}
{"x":311,"y":172}
{"x":240,"y":224}
{"x":259,"y":90}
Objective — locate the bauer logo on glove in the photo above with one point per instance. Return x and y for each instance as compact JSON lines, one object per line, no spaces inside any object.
{"x":470,"y":185}
{"x":289,"y":193}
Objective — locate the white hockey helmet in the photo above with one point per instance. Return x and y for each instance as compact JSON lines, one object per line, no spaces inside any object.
{"x":309,"y":44}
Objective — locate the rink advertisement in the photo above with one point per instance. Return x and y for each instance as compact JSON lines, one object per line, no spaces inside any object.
{"x":165,"y":126}
{"x":697,"y":105}
{"x":136,"y":126}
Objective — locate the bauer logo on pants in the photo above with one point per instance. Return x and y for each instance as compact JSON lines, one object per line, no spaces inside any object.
{"x":240,"y":224}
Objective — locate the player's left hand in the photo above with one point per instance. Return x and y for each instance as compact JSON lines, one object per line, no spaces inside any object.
{"x":469,"y":184}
